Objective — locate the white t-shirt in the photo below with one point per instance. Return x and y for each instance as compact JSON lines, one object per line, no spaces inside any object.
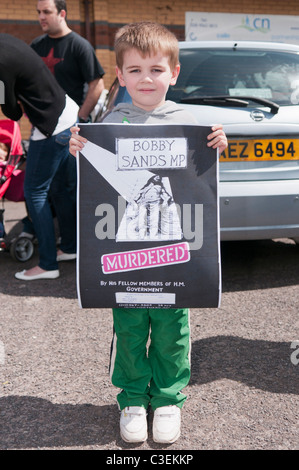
{"x":66,"y":119}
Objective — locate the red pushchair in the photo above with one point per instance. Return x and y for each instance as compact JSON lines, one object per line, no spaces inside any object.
{"x":12,"y":187}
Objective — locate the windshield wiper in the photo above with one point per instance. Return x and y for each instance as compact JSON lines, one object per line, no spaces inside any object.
{"x":241,"y":101}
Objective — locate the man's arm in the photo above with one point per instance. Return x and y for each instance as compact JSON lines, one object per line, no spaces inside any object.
{"x":94,"y":91}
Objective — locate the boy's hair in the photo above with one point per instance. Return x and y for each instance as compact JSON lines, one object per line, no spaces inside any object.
{"x":147,"y":38}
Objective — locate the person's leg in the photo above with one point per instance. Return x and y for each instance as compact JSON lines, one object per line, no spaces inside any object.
{"x":169,"y":353}
{"x":130,"y":369}
{"x":41,"y":165}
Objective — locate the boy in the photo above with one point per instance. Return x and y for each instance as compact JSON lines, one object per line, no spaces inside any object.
{"x":147,"y":63}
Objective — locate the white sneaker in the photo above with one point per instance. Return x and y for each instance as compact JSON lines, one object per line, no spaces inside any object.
{"x":167,"y":424}
{"x":133,"y":424}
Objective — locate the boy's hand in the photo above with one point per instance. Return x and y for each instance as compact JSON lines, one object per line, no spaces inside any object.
{"x":76,"y":141}
{"x":217,"y":139}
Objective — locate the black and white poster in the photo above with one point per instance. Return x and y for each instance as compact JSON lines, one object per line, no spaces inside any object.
{"x":148,"y":222}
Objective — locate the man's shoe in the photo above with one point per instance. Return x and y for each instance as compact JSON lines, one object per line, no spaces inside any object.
{"x":66,"y":256}
{"x":167,"y":424}
{"x":133,"y":424}
{"x":45,"y":275}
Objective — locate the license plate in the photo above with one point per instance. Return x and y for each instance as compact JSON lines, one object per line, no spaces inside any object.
{"x":260,"y":150}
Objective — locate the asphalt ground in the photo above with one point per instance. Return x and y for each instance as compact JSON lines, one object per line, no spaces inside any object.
{"x":243,"y":393}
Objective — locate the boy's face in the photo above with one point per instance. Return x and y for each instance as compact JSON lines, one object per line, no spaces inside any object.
{"x":147,"y":78}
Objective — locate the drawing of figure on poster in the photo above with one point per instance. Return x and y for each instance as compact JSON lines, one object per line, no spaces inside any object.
{"x":151,"y":213}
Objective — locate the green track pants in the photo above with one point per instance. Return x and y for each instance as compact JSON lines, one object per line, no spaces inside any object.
{"x":156,"y":374}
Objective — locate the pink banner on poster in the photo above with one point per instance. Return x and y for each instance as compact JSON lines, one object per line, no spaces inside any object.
{"x":147,"y":258}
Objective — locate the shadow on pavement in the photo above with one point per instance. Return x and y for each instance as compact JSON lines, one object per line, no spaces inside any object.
{"x":29,"y":422}
{"x":264,"y":365}
{"x":259,"y":264}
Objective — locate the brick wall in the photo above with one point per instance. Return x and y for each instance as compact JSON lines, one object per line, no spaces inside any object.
{"x":97,"y":20}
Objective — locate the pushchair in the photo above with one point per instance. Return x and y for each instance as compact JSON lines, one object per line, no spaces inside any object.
{"x":12,"y":187}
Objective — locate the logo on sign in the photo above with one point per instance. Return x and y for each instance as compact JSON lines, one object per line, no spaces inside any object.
{"x":262,"y":25}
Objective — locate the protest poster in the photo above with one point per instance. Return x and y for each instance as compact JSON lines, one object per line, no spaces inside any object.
{"x":148,"y":222}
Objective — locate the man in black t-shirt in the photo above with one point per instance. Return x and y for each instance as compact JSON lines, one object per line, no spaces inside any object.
{"x":73,"y":62}
{"x":70,"y":57}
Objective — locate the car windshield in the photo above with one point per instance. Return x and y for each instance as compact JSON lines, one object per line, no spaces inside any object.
{"x":232,"y":74}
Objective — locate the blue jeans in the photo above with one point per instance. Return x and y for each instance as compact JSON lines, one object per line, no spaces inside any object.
{"x":46,"y":173}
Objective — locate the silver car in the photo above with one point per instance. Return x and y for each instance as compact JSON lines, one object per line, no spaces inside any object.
{"x":252,"y":88}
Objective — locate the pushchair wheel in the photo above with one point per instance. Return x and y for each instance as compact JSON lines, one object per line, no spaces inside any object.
{"x":21,"y":249}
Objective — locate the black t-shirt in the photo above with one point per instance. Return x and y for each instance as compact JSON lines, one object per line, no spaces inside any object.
{"x":72,"y":60}
{"x":28,"y":80}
